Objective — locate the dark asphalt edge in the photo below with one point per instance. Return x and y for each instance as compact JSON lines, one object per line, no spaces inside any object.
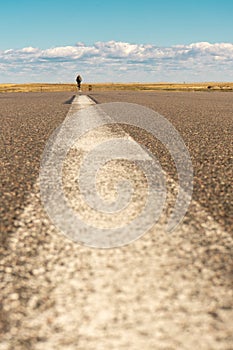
{"x":69,"y":102}
{"x":93,"y":99}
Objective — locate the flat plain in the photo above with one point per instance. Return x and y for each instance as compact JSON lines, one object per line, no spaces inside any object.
{"x":43,"y":87}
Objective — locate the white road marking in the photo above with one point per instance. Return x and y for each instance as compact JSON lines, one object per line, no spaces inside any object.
{"x":80,"y":102}
{"x":150,"y":294}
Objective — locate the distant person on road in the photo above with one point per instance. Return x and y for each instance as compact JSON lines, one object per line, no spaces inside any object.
{"x":79,"y":80}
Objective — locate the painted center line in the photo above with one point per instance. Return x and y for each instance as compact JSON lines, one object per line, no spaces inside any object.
{"x":148,"y":292}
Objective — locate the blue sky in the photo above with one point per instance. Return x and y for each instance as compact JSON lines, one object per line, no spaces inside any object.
{"x":46,"y":25}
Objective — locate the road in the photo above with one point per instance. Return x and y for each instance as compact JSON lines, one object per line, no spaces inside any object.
{"x":162,"y":291}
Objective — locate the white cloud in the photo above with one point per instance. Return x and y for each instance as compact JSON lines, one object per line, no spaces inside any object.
{"x":119,"y":61}
{"x":29,"y":49}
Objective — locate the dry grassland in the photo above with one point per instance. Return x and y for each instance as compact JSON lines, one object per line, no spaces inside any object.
{"x":44,"y":87}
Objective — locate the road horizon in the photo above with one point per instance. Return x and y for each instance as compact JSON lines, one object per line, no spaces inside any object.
{"x":133,"y":86}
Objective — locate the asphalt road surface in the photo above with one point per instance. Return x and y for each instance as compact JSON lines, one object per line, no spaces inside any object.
{"x":160,"y":292}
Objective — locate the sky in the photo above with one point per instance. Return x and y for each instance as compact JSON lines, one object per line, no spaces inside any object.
{"x":116,"y":41}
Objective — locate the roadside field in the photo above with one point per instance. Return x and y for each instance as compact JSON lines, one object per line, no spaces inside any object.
{"x":46,"y":87}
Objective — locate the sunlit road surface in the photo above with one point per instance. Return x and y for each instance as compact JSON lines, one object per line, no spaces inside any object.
{"x":163,"y":291}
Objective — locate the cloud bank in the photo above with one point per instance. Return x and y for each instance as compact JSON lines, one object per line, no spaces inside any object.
{"x":119,"y":62}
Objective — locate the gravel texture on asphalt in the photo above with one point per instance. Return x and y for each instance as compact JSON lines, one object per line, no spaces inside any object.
{"x":205,"y":122}
{"x":161,"y":292}
{"x":27,"y":120}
